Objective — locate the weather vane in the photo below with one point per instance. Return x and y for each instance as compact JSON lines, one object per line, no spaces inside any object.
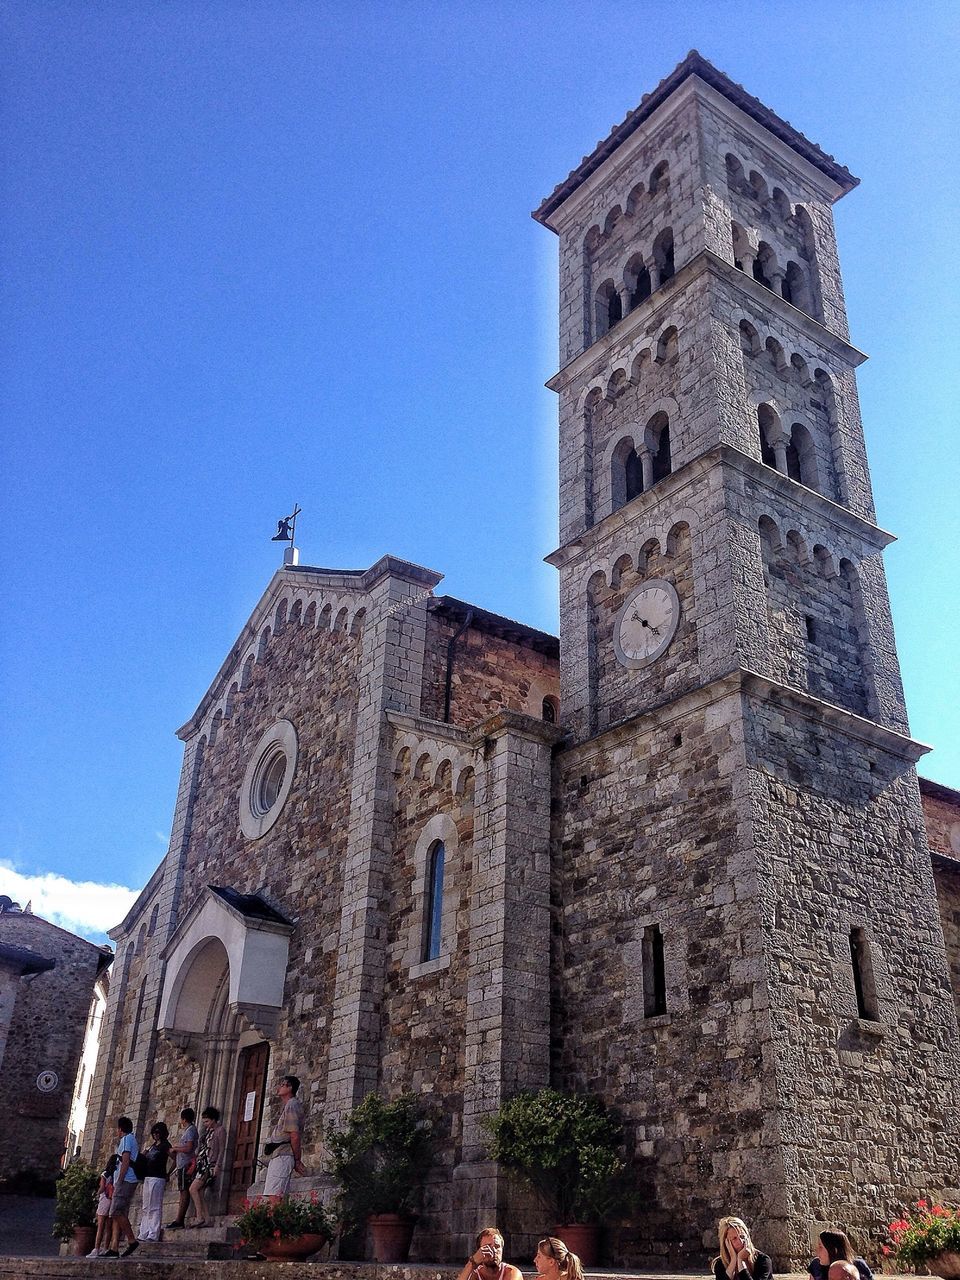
{"x":287,"y":532}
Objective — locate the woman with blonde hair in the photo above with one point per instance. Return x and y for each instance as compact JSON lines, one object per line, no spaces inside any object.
{"x":553,"y":1259}
{"x":739,"y":1256}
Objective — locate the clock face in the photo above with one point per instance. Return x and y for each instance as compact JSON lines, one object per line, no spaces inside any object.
{"x":647,"y":623}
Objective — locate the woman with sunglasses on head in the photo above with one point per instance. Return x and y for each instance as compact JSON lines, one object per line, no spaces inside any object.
{"x":554,"y":1261}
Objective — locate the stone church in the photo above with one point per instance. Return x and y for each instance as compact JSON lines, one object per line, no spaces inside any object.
{"x":676,"y":858}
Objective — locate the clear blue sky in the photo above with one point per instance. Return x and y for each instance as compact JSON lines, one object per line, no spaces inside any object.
{"x":255,"y":253}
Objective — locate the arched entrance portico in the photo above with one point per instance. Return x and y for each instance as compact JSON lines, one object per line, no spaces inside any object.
{"x":220,"y":1003}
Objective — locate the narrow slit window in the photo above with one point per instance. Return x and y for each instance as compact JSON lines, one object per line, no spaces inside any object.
{"x":431,"y":946}
{"x":654,"y":974}
{"x":863,"y":979}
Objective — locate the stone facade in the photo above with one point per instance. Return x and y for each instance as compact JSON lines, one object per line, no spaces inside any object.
{"x":47,"y":978}
{"x":696,"y":883}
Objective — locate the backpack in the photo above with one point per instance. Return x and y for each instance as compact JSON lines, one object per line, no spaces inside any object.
{"x":140,"y":1166}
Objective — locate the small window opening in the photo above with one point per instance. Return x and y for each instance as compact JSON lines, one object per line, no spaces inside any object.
{"x":863,"y":979}
{"x":663,"y":252}
{"x":760,"y":275}
{"x":794,"y":470}
{"x":548,"y":711}
{"x":654,"y":974}
{"x":643,"y":288}
{"x":431,"y":947}
{"x":614,"y":309}
{"x":661,"y":459}
{"x":633,"y":476}
{"x":811,"y":627}
{"x":678,"y":739}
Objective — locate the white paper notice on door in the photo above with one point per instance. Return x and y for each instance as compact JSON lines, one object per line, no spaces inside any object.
{"x":248,"y":1104}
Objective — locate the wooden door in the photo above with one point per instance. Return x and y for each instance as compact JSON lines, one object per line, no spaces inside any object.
{"x":252,"y":1076}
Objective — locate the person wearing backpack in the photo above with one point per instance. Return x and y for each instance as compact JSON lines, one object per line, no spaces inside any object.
{"x":151,"y":1166}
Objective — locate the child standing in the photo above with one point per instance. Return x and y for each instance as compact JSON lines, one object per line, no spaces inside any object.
{"x":104,"y":1192}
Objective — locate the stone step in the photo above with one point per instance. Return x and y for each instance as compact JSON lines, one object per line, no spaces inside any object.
{"x":136,"y":1268}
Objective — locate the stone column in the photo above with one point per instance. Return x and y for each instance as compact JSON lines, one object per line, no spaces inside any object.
{"x":508,"y":987}
{"x":646,"y":467}
{"x":391,"y":674}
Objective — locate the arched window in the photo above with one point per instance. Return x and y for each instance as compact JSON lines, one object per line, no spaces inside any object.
{"x":802,"y":457}
{"x":761,"y":266}
{"x":663,"y":254}
{"x":431,"y":941}
{"x":661,"y":454}
{"x":768,"y":425}
{"x":609,"y":308}
{"x":794,"y":287}
{"x":641,"y":288}
{"x":548,"y":712}
{"x":626,"y":474}
{"x":633,"y":476}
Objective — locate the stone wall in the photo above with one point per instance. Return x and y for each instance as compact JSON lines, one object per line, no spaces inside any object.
{"x":490,"y":673}
{"x":47,"y":1016}
{"x":424,"y":1005}
{"x":647,"y":836}
{"x":941,"y":813}
{"x":814,"y":624}
{"x":863,"y":1097}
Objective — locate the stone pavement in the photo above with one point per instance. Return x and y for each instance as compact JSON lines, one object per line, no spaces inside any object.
{"x":25,"y":1223}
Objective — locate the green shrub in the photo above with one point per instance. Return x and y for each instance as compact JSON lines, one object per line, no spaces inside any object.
{"x":380,"y":1158}
{"x":568,"y":1149}
{"x":76,"y":1199}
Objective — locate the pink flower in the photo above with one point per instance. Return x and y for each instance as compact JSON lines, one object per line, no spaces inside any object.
{"x":885,"y":1250}
{"x":921,"y":1204}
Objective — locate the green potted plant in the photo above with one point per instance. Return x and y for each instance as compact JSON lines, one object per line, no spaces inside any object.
{"x":567,"y":1147}
{"x":927,"y":1236}
{"x":380,"y":1158}
{"x":75,"y":1216}
{"x":286,"y":1228}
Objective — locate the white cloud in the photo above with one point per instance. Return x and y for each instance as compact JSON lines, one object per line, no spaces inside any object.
{"x":82,"y":906}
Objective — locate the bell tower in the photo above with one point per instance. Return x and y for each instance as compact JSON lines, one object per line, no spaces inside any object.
{"x":742,"y":851}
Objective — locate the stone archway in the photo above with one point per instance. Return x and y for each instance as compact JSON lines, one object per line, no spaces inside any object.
{"x":220,"y":1003}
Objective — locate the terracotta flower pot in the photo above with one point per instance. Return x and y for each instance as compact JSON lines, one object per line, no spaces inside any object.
{"x":391,"y":1237}
{"x":292,"y":1247}
{"x":946,"y":1265}
{"x":83,"y":1240}
{"x":583,"y":1239}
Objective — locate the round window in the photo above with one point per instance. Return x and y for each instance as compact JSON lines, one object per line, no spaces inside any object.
{"x":268,"y":781}
{"x":268,"y":778}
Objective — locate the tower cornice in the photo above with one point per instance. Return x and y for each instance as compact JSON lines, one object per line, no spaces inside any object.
{"x":669,"y":494}
{"x":752,"y":684}
{"x":694,"y":64}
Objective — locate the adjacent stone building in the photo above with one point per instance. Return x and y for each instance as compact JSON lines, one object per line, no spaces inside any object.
{"x":677,"y":859}
{"x":47,"y":978}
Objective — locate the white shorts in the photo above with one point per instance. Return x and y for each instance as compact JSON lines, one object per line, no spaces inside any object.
{"x":279,"y":1173}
